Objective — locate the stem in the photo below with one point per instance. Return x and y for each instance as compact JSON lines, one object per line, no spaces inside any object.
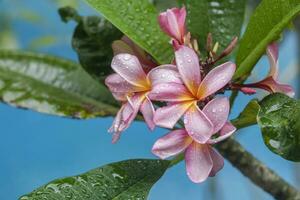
{"x":256,"y":171}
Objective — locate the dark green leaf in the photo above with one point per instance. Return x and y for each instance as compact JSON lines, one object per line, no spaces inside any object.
{"x":279,"y":120}
{"x":92,"y":41}
{"x":137,"y":20}
{"x":51,"y":85}
{"x":266,"y":24}
{"x":223,"y":19}
{"x":248,"y":116}
{"x":131,"y":179}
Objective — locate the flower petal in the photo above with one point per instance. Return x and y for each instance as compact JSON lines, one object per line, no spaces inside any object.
{"x":117,"y":84}
{"x":272,"y":52}
{"x":227,"y":130}
{"x":198,"y":162}
{"x":120,"y":96}
{"x":273,"y":86}
{"x":171,"y":144}
{"x":218,"y":161}
{"x":168,"y":116}
{"x":147,"y":110}
{"x":129,"y":68}
{"x":172,"y":22}
{"x":216,"y":79}
{"x":126,"y":115}
{"x":170,"y":92}
{"x":217,"y":111}
{"x":198,"y":126}
{"x":164,"y":74}
{"x":188,"y":66}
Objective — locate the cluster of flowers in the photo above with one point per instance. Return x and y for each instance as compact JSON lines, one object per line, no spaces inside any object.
{"x":187,"y":89}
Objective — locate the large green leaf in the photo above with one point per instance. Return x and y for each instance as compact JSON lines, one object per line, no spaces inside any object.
{"x":248,"y":116}
{"x":92,"y":41}
{"x":279,"y":120}
{"x":51,"y":85}
{"x":137,"y":20}
{"x":265,"y":25}
{"x":131,"y":179}
{"x":223,"y":19}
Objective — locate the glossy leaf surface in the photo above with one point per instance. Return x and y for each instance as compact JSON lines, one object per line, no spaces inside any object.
{"x":131,"y":179}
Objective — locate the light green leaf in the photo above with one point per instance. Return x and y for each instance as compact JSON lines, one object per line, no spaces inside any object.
{"x":51,"y":85}
{"x":265,"y":25}
{"x":223,"y":19}
{"x":131,"y":179}
{"x":137,"y":20}
{"x":248,"y":116}
{"x":279,"y":121}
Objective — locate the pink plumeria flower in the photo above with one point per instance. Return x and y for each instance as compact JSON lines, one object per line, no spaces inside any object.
{"x":172,"y":22}
{"x":201,"y":160}
{"x":131,"y":86}
{"x":183,"y":89}
{"x":271,"y":83}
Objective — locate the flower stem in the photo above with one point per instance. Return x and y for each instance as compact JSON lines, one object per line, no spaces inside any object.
{"x":256,"y":171}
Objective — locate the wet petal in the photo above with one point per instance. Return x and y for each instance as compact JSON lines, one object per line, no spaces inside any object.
{"x":172,"y":22}
{"x":164,"y":74}
{"x":198,"y":162}
{"x":168,"y":116}
{"x":117,"y":84}
{"x":170,"y":92}
{"x":188,"y":66}
{"x":217,"y":110}
{"x":218,"y":161}
{"x":272,"y":52}
{"x":147,"y":110}
{"x":226,"y":131}
{"x":216,"y":79}
{"x":198,"y":126}
{"x":171,"y":144}
{"x":120,"y":96}
{"x":129,"y":68}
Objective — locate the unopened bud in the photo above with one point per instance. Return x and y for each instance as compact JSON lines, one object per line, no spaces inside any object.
{"x":209,"y":42}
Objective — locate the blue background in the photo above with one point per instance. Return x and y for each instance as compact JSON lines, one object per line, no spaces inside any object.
{"x":37,"y":148}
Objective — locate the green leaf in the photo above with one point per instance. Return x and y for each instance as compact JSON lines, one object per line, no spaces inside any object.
{"x":265,"y":25}
{"x":279,"y":121}
{"x":248,"y":116}
{"x":131,"y":179}
{"x":223,"y":19}
{"x":92,"y":41}
{"x":51,"y":85}
{"x":137,"y":20}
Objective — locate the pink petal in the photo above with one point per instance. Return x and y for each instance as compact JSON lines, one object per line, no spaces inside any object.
{"x":164,"y":74}
{"x":272,"y":52}
{"x":217,"y":110}
{"x":273,"y":86}
{"x":216,"y":79}
{"x":218,"y":161}
{"x":172,"y":23}
{"x":120,"y":96}
{"x":168,"y":116}
{"x":117,"y":84}
{"x":197,"y":124}
{"x":170,"y":92}
{"x":171,"y":144}
{"x":198,"y":162}
{"x":227,"y":130}
{"x":129,"y":68}
{"x":147,"y":110}
{"x":188,"y":66}
{"x":126,"y":115}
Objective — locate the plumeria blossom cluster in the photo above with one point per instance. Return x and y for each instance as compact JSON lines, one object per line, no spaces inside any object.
{"x":184,"y":96}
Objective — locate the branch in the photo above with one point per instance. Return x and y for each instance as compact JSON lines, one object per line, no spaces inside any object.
{"x":256,"y":171}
